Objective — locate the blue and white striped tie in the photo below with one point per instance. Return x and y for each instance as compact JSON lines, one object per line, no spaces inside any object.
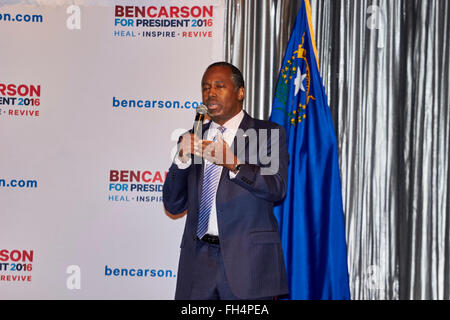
{"x":211,"y":179}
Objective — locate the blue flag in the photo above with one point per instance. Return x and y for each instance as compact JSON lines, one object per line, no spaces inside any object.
{"x":311,"y":218}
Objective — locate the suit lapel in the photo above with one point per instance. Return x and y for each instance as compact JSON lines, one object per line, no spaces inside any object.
{"x":246,"y":123}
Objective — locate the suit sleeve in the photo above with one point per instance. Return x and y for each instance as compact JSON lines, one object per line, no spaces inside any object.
{"x":268,"y":179}
{"x":175,"y":195}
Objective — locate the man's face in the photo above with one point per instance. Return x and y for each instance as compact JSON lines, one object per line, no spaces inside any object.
{"x":220,"y":94}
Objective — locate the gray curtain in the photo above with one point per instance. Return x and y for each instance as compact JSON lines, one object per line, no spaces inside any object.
{"x":385,"y":66}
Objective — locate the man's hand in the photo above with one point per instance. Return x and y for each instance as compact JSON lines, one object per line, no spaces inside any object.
{"x":217,"y":152}
{"x":187,"y":142}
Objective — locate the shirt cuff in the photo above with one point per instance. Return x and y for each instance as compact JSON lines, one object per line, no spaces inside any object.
{"x":232,"y":174}
{"x":180,"y":164}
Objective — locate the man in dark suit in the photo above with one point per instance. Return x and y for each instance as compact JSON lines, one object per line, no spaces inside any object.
{"x":228,"y":183}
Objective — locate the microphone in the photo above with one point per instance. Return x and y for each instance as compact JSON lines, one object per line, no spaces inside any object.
{"x":202,"y":110}
{"x":199,"y":118}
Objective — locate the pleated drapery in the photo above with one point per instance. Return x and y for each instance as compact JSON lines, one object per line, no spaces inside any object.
{"x":385,"y":67}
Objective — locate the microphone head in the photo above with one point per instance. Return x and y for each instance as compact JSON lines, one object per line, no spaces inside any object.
{"x":202,"y":109}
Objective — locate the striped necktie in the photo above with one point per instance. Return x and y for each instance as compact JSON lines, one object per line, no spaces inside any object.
{"x":211,"y":177}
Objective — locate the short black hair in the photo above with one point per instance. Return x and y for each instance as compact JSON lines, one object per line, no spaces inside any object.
{"x":236,"y":74}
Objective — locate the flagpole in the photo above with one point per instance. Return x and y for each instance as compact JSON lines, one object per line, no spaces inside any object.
{"x":311,"y":31}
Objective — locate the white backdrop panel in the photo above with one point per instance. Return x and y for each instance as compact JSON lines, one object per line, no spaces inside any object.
{"x":57,"y":155}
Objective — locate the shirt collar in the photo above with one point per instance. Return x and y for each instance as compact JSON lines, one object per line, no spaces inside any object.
{"x":232,"y":124}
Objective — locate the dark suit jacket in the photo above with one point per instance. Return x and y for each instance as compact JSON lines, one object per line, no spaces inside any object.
{"x":248,"y":231}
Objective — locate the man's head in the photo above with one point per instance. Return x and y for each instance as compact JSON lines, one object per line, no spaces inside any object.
{"x":223,"y":91}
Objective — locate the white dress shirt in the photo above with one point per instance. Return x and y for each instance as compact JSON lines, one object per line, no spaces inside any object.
{"x":231,"y":126}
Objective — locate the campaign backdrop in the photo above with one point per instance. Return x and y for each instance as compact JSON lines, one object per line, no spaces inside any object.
{"x":93,"y":96}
